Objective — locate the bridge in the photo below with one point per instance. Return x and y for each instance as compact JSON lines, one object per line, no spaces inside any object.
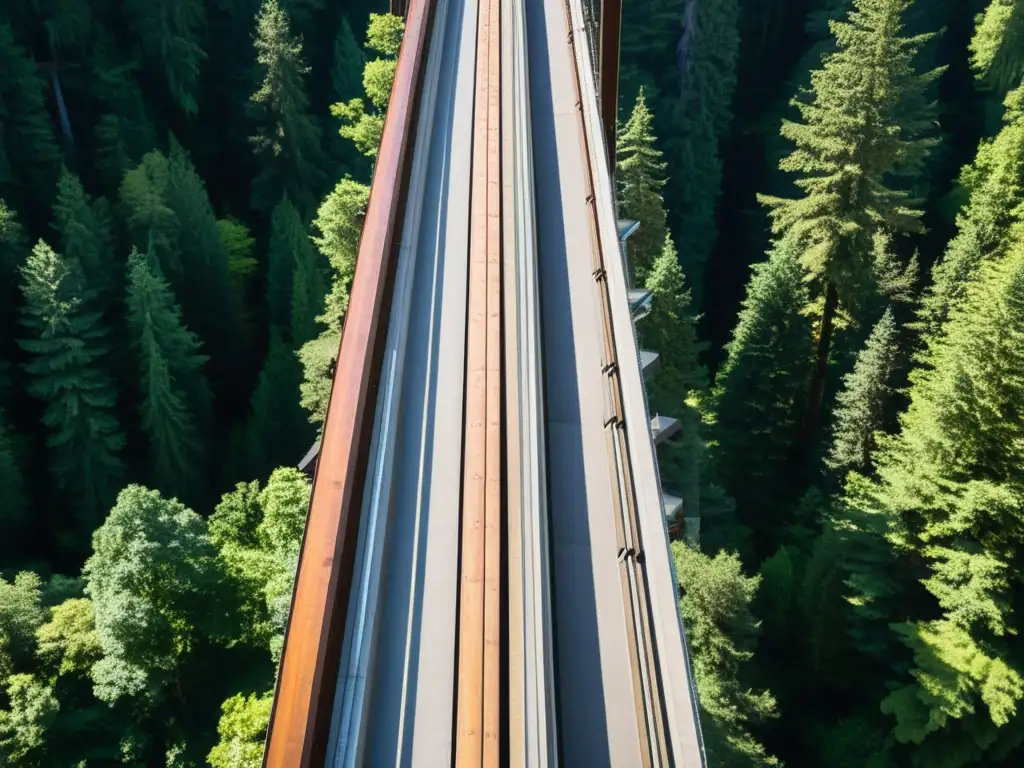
{"x":485,"y":577}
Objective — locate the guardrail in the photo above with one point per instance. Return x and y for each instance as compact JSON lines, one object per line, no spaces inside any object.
{"x":301,"y":716}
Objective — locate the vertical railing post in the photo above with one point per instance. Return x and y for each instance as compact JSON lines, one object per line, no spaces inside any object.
{"x":608,"y":73}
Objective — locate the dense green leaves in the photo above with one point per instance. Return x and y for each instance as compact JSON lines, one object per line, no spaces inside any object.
{"x":65,"y":340}
{"x":242,"y":730}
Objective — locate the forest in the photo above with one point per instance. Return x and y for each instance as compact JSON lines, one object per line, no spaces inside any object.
{"x":831,"y":200}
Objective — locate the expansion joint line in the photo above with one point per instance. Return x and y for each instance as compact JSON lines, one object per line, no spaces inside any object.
{"x":648,"y":696}
{"x":480,"y":622}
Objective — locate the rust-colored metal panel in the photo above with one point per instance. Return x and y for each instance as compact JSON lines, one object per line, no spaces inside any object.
{"x":301,"y":716}
{"x":611,"y":32}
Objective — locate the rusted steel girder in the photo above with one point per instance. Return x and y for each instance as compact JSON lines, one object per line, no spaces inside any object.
{"x":301,"y":716}
{"x":608,"y":73}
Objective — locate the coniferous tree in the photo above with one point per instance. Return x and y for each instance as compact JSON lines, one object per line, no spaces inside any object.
{"x":170,"y":33}
{"x":27,"y":142}
{"x":639,"y":176}
{"x":286,"y":237}
{"x":995,"y":184}
{"x":862,"y":126}
{"x":947,"y":498}
{"x":722,"y":634}
{"x":860,"y":406}
{"x":175,"y":402}
{"x":12,"y":253}
{"x":84,"y":231}
{"x":279,"y":432}
{"x":995,"y":47}
{"x":66,"y":346}
{"x":366,"y":127}
{"x":758,"y":392}
{"x":14,"y":506}
{"x":701,"y":117}
{"x":287,"y":137}
{"x":347,"y":68}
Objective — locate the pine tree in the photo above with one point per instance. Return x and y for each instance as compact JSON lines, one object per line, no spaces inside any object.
{"x":722,"y":634}
{"x":700,"y":118}
{"x":860,"y":406}
{"x":671,"y":329}
{"x":84,"y":231}
{"x":27,"y":141}
{"x":12,"y":253}
{"x":347,"y":67}
{"x":995,"y":48}
{"x":639,"y":176}
{"x":287,"y":137}
{"x":366,"y":127}
{"x":152,"y":224}
{"x":65,"y":342}
{"x":279,"y":432}
{"x":862,"y":123}
{"x":14,"y":507}
{"x":286,"y":237}
{"x":995,"y":185}
{"x":758,"y":391}
{"x":170,"y":33}
{"x":175,"y":401}
{"x":948,"y":496}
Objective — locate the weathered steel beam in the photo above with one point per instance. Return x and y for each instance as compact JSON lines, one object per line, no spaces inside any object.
{"x":608,"y":73}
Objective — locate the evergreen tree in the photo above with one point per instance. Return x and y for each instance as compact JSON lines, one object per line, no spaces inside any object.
{"x":12,"y":253}
{"x":287,"y":235}
{"x":279,"y":433}
{"x":639,"y":171}
{"x":861,"y":129}
{"x":175,"y":400}
{"x":14,"y":506}
{"x":860,"y":406}
{"x":758,"y":391}
{"x":287,"y":137}
{"x":995,"y":48}
{"x":84,"y":229}
{"x":722,"y":633}
{"x":308,"y":293}
{"x":346,"y":84}
{"x":27,"y":144}
{"x":995,"y":185}
{"x":170,"y":33}
{"x":366,"y":127}
{"x":701,"y":117}
{"x":66,"y":346}
{"x":152,"y":224}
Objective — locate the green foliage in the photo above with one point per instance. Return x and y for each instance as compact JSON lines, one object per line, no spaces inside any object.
{"x":29,"y":158}
{"x":242,"y":730}
{"x":860,"y":406}
{"x":24,"y":725}
{"x":862,"y":124}
{"x":85,"y":232}
{"x":995,"y":47}
{"x":238,"y":243}
{"x":287,"y":139}
{"x":155,"y":587}
{"x":14,"y":507}
{"x":21,"y":614}
{"x":175,"y":404}
{"x":68,"y":643}
{"x":317,"y":358}
{"x":170,"y":33}
{"x":364,"y":128}
{"x":639,"y":177}
{"x":758,"y":391}
{"x":279,"y":432}
{"x":701,"y":117}
{"x":66,"y":345}
{"x":295,"y":288}
{"x":994,"y":185}
{"x":348,"y":64}
{"x":722,"y":633}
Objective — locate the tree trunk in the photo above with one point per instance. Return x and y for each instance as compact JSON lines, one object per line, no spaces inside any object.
{"x":818,"y":375}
